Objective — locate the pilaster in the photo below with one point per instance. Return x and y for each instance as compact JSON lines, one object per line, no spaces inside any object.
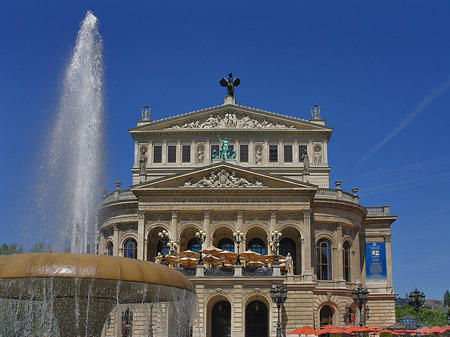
{"x":116,"y":241}
{"x":206,"y":227}
{"x":140,"y":235}
{"x":339,"y":265}
{"x":174,"y":224}
{"x":387,"y":241}
{"x":307,"y":232}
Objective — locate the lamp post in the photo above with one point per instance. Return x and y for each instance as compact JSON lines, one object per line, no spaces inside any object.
{"x":278,"y":294}
{"x":172,"y":246}
{"x":164,"y":237}
{"x":360,"y":297}
{"x":416,"y":300}
{"x":238,"y":236}
{"x":201,"y":237}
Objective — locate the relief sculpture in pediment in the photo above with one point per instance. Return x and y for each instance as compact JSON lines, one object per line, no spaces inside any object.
{"x":223,"y":179}
{"x":231,"y":120}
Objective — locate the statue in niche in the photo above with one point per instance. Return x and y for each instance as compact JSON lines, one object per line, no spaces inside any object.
{"x":305,"y":160}
{"x":317,"y":156}
{"x":200,"y":154}
{"x":142,"y":161}
{"x":258,"y":155}
{"x":289,"y":264}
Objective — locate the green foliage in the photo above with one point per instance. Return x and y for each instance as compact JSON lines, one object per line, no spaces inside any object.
{"x":10,"y":249}
{"x":447,"y":299}
{"x":335,"y":335}
{"x":427,"y":317}
{"x":40,"y":248}
{"x":386,"y":334}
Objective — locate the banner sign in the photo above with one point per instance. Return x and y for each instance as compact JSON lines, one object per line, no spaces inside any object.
{"x":375,"y":261}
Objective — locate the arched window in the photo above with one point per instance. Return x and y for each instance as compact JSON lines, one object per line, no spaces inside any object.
{"x":257,"y":245}
{"x":160,"y":249}
{"x":326,"y":315}
{"x":110,"y":248}
{"x":346,"y":262}
{"x":194,"y":245}
{"x":287,"y":245}
{"x":324,"y":260}
{"x":127,"y":323}
{"x":221,"y":319}
{"x":130,"y":249}
{"x":226,"y":244}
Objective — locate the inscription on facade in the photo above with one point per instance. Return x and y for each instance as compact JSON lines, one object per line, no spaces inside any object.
{"x":222,"y":200}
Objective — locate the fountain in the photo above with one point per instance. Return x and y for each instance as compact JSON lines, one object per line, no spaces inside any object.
{"x":80,"y":289}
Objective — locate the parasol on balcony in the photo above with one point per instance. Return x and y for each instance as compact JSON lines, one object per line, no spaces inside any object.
{"x":188,"y":262}
{"x":211,"y":251}
{"x":212,"y":260}
{"x":189,"y":253}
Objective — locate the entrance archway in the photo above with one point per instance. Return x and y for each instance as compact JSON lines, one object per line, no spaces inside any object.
{"x":221,"y":319}
{"x":326,"y":315}
{"x":256,"y":320}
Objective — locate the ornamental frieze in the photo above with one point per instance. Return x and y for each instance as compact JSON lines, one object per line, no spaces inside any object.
{"x":223,"y":179}
{"x":231,"y":120}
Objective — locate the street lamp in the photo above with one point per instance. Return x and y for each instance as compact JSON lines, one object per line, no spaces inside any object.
{"x":172,"y":246}
{"x":278,"y":294}
{"x":360,"y":297}
{"x":275,"y":244}
{"x":416,"y":300}
{"x":201,"y":237}
{"x":164,"y":237}
{"x":238,"y":236}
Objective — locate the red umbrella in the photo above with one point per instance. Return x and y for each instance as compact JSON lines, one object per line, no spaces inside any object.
{"x":330,"y":329}
{"x":385,"y":330}
{"x":436,"y":329}
{"x":365,"y":329}
{"x":306,"y":330}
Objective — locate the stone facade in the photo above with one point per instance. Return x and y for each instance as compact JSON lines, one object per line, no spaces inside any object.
{"x":267,"y":186}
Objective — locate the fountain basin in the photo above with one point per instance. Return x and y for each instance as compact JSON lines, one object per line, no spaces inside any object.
{"x":83,"y":289}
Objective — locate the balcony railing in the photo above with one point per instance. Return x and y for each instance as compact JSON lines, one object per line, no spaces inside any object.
{"x":336,"y":194}
{"x":119,"y":195}
{"x":378,"y":211}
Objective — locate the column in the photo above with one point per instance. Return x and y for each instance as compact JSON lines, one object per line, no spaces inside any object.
{"x":340,"y":260}
{"x":178,"y":152}
{"x":146,"y":249}
{"x":357,"y":256}
{"x":207,"y":153}
{"x":273,"y":221}
{"x":239,"y":225}
{"x":101,"y":243}
{"x":164,"y":152}
{"x":206,"y":225}
{"x":136,"y":154}
{"x":140,"y":238}
{"x":387,"y":241}
{"x":116,"y":241}
{"x":307,"y":232}
{"x":251,"y":152}
{"x":174,"y":225}
{"x":281,"y":151}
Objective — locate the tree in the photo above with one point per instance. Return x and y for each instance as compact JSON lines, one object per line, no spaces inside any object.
{"x":427,"y":317}
{"x":447,"y":299}
{"x":39,"y":248}
{"x":10,"y":249}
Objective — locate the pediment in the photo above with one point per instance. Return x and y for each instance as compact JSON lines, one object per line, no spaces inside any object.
{"x":228,"y":117}
{"x":224,"y":176}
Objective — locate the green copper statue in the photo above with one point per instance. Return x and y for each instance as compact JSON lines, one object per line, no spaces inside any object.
{"x":224,"y":151}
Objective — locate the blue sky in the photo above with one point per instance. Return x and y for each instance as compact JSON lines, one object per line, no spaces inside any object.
{"x":379,"y":70}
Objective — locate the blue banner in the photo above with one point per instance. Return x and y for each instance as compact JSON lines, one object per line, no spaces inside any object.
{"x":375,"y":261}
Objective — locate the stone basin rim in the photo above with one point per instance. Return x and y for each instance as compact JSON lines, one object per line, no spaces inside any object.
{"x":88,"y":266}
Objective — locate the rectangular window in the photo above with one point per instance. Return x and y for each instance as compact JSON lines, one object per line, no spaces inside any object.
{"x":171,"y":154}
{"x":157,"y":154}
{"x":273,"y":153}
{"x":301,"y":151}
{"x":186,"y":155}
{"x":231,"y":149}
{"x":214,"y":151}
{"x":288,"y":153}
{"x":243,"y":153}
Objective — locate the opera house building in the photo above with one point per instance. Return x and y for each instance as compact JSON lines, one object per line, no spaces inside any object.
{"x":232,"y":178}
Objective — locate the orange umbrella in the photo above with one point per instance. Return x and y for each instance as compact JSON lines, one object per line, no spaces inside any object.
{"x":364,"y":329}
{"x":330,"y":329}
{"x":189,"y":253}
{"x":379,"y":332}
{"x":436,"y":329}
{"x":306,"y":330}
